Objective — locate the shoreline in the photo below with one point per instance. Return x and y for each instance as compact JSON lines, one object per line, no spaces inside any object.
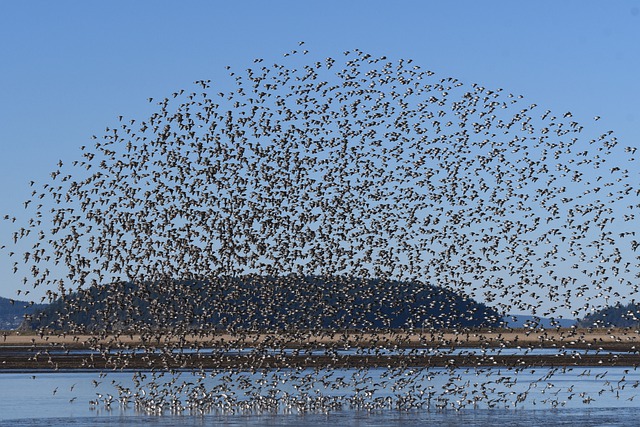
{"x":116,"y":352}
{"x":618,"y":339}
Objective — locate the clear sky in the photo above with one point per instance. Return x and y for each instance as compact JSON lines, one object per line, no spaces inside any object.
{"x":69,"y":69}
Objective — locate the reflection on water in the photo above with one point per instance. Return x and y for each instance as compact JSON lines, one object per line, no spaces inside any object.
{"x":611,"y":417}
{"x":523,"y":418}
{"x":76,"y":398}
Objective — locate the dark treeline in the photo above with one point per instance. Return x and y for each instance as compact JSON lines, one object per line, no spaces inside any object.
{"x":264,"y":304}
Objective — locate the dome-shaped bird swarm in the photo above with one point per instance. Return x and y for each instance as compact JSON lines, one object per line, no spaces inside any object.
{"x":355,"y":202}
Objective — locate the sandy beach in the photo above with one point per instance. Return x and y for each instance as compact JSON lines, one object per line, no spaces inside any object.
{"x":608,"y":339}
{"x":607,"y":347}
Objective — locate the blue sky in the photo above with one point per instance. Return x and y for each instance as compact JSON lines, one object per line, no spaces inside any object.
{"x":69,"y":69}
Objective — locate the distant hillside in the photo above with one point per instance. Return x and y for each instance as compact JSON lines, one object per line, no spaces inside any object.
{"x":525,"y":321}
{"x":12,"y":314}
{"x":613,"y":316}
{"x":266,"y":303}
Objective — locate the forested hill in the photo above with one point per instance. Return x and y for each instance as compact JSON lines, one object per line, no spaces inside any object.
{"x":266,"y":303}
{"x":613,"y":316}
{"x":12,"y":312}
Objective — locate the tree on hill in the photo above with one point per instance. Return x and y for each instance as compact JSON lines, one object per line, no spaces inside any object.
{"x":613,"y":316}
{"x":265,"y":304}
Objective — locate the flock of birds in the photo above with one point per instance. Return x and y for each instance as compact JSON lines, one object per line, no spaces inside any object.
{"x":353,"y":167}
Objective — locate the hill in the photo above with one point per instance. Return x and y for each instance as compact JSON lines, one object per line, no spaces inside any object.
{"x":12,"y":312}
{"x":618,"y":315}
{"x":265,"y":303}
{"x":526,"y":321}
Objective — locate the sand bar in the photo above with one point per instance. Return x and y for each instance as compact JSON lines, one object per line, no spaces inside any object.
{"x":32,"y":352}
{"x":608,"y":339}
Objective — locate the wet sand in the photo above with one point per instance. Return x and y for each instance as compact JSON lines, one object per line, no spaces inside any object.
{"x":55,"y":351}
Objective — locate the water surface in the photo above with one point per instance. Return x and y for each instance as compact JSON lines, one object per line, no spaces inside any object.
{"x":580,"y":396}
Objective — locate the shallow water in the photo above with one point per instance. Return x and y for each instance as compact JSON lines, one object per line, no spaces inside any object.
{"x":581,"y":396}
{"x":480,"y":418}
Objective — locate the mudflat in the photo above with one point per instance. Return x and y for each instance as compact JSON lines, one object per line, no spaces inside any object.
{"x":607,"y":347}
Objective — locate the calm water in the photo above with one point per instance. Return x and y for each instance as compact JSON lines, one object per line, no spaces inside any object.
{"x":62,"y":399}
{"x":525,"y":418}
